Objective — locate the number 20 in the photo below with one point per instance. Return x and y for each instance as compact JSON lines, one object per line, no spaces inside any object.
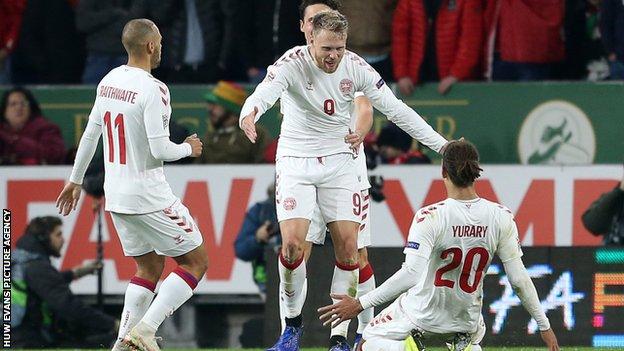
{"x":456,"y":258}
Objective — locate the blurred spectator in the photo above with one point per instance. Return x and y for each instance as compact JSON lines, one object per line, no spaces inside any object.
{"x":595,"y":53}
{"x":193,"y":38}
{"x":395,"y":147}
{"x":524,"y":39}
{"x":370,"y":36}
{"x":256,"y":46}
{"x":102,"y":22}
{"x":26,"y":137}
{"x":259,"y":231}
{"x":612,"y":31}
{"x":577,"y":39}
{"x":606,"y":216}
{"x":436,"y":40}
{"x":49,"y":49}
{"x":45,"y":313}
{"x":10,"y":21}
{"x":226,"y":142}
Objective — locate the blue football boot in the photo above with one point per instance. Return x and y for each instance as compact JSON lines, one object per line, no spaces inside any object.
{"x":289,"y":340}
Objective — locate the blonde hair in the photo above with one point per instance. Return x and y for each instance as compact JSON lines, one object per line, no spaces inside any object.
{"x":330,"y":20}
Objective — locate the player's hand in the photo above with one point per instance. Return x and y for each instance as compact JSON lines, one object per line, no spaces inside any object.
{"x":67,"y":200}
{"x":345,"y":309}
{"x":355,"y":139}
{"x":550,"y":339}
{"x":445,"y":84}
{"x":406,"y":86}
{"x":196,"y":145}
{"x":249,"y":125}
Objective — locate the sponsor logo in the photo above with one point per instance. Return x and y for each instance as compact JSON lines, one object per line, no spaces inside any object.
{"x":309,"y":86}
{"x":412,"y":245}
{"x":557,"y":132}
{"x":380,"y":83}
{"x":346,"y":86}
{"x":289,"y":204}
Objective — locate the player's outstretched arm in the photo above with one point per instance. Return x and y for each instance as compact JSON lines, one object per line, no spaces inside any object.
{"x":524,"y":288}
{"x":363,"y":122}
{"x":69,"y":196}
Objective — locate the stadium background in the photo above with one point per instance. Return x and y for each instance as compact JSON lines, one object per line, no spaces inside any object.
{"x":581,"y":284}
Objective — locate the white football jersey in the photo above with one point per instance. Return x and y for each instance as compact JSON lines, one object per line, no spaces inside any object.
{"x":317,"y":105}
{"x":459,"y":238}
{"x":132,"y":106}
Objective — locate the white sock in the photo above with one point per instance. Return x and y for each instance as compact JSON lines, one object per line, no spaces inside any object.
{"x":300,"y":302}
{"x":291,"y":289}
{"x":345,"y":282}
{"x":139,"y":295}
{"x":379,"y":344}
{"x":365,"y":286}
{"x":476,"y":347}
{"x":174,"y":291}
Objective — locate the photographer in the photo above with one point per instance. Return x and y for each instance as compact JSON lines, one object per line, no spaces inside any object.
{"x":45,"y":313}
{"x":605,"y":216}
{"x":259,"y":229}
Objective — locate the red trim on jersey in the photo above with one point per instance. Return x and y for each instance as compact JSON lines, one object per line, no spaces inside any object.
{"x":365,"y":273}
{"x":144,"y":283}
{"x":187,"y":277}
{"x":347,"y":267}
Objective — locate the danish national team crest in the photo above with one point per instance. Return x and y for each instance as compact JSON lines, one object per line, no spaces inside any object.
{"x":290,"y":204}
{"x":346,"y":86}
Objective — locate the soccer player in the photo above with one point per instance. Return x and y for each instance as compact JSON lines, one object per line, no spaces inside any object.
{"x":315,"y":165}
{"x":133,"y":110}
{"x":440,"y":286}
{"x":362,"y":121}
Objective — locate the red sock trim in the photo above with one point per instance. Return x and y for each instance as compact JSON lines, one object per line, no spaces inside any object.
{"x":144,"y":283}
{"x":365,"y":273}
{"x":186,"y":276}
{"x":288,"y":265}
{"x":347,"y":267}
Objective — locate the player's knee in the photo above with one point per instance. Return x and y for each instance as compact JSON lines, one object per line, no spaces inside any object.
{"x":151,"y":272}
{"x":292,"y":248}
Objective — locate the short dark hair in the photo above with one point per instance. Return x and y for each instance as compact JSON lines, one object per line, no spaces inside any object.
{"x":41,"y":227}
{"x":332,"y":4}
{"x":35,"y":110}
{"x":460,"y":161}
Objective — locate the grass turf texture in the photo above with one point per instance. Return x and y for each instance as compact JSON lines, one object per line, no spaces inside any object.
{"x":564,"y":348}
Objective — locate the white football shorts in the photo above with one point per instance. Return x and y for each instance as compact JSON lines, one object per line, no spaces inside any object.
{"x":329,"y":182}
{"x":171,"y":232}
{"x":318,"y":229}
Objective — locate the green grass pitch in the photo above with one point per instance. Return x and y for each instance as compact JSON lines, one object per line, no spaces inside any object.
{"x":564,"y":348}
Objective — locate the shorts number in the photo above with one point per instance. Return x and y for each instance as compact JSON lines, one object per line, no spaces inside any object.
{"x":464,"y":277}
{"x":328,"y":106}
{"x":121,"y":136}
{"x":357,"y":204}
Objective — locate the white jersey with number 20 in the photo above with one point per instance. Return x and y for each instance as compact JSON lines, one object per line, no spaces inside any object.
{"x":460,"y":239}
{"x":131,"y":107}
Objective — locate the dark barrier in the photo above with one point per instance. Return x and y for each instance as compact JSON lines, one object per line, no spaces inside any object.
{"x":582,"y":290}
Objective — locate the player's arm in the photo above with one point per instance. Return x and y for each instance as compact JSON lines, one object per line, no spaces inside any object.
{"x":397,"y":111}
{"x":264,"y":97}
{"x":158,"y":132}
{"x":363,"y":121}
{"x":417,"y":252}
{"x":69,"y":196}
{"x":511,"y":255}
